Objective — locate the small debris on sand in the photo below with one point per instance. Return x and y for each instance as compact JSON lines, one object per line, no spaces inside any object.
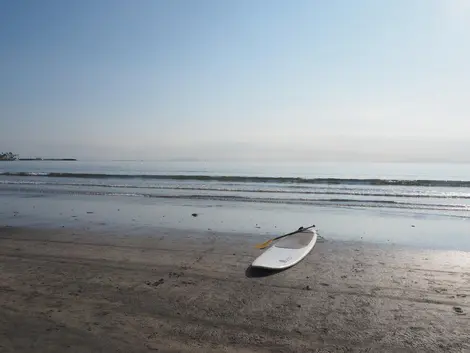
{"x":308,"y":288}
{"x":156,"y":283}
{"x":175,"y":274}
{"x":194,"y":215}
{"x":458,"y":310}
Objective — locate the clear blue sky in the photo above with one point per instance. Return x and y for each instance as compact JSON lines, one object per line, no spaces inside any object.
{"x":366,"y":79}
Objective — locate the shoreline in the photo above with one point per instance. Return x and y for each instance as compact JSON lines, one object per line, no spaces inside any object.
{"x":140,"y":215}
{"x":82,"y":290}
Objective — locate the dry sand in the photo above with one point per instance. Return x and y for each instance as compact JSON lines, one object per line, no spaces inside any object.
{"x":63,"y":291}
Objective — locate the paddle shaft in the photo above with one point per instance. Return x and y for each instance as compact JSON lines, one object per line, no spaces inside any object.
{"x":294,"y":232}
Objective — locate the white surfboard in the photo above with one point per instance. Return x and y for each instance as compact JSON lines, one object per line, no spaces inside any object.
{"x":288,"y":251}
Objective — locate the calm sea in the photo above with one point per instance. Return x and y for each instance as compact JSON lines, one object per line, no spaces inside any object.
{"x":434,"y":187}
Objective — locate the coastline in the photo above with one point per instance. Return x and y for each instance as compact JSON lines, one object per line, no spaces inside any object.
{"x":40,"y":159}
{"x":167,"y":290}
{"x":48,"y":159}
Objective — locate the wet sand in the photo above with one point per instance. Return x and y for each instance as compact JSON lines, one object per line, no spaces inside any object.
{"x":76,"y":291}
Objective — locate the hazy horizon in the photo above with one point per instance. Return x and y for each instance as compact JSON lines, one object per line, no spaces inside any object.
{"x":237,"y":80}
{"x":246,"y":153}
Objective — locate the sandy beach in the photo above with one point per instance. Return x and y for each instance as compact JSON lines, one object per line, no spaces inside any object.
{"x":76,"y":291}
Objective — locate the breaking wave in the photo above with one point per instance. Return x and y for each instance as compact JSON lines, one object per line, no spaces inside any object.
{"x":252,"y":179}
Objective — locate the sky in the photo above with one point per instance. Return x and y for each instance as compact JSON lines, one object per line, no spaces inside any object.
{"x":300,"y":80}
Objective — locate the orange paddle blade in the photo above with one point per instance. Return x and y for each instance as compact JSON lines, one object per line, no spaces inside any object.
{"x":264,"y":245}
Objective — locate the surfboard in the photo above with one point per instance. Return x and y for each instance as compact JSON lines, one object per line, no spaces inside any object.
{"x":288,"y":251}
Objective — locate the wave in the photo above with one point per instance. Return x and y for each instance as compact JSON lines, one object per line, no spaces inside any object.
{"x":325,"y":191}
{"x":252,"y":179}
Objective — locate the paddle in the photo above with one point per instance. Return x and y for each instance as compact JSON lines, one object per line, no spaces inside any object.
{"x":266,"y":243}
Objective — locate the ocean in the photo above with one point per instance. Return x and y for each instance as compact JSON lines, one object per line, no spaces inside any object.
{"x":412,"y":204}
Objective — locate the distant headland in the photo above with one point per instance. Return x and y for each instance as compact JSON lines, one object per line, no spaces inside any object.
{"x":10,"y":156}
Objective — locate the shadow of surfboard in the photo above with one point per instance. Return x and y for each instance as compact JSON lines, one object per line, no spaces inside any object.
{"x":255,"y":272}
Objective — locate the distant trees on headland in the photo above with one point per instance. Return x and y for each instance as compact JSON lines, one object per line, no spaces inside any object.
{"x":8,"y":156}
